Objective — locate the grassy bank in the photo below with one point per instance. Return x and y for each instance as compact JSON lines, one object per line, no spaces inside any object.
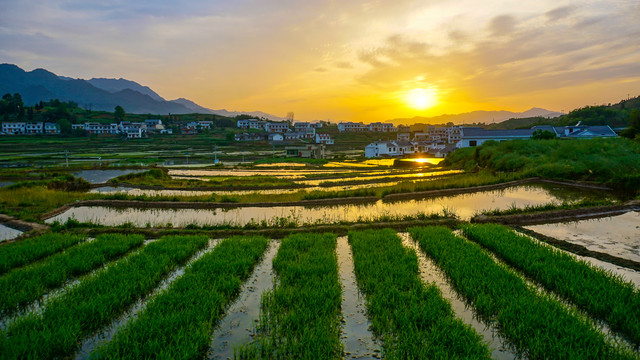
{"x":612,"y":162}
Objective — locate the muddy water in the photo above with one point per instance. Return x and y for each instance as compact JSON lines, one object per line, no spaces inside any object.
{"x":616,"y":235}
{"x":431,"y":274}
{"x":100,"y":176}
{"x":106,"y":334}
{"x":279,"y":173}
{"x":463,"y":205}
{"x":237,"y":326}
{"x":357,"y":338}
{"x":7,"y":233}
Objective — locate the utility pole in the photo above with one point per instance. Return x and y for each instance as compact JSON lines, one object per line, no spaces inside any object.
{"x":215,"y":154}
{"x":66,"y":156}
{"x":274,"y":151}
{"x":187,"y":154}
{"x":243,"y":156}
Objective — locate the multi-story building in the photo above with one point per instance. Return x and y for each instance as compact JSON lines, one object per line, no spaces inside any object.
{"x":381,"y":127}
{"x":352,"y":126}
{"x":33,"y":128}
{"x":51,"y":129}
{"x":14,"y":128}
{"x":322,"y":138}
{"x":280,"y":127}
{"x":100,"y":129}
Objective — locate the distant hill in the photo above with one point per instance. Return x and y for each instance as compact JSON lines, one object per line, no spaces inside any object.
{"x":99,"y":93}
{"x":115,"y":85}
{"x":475,"y":117}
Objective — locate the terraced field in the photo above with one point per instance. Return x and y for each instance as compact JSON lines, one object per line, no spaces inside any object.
{"x":121,"y":296}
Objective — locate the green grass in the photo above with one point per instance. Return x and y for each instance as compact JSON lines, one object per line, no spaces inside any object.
{"x":29,"y":203}
{"x":613,"y":162}
{"x":413,"y":319}
{"x":300,"y":317}
{"x":537,"y":325}
{"x":24,"y":285}
{"x":598,"y":292}
{"x":192,"y":305}
{"x":95,"y":302}
{"x":23,"y":252}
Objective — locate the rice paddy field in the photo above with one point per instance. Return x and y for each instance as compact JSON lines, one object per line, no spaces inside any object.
{"x":432,"y":292}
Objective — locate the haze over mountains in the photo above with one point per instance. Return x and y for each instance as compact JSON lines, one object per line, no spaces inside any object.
{"x":100,"y":93}
{"x":104,"y":94}
{"x":487,"y":117}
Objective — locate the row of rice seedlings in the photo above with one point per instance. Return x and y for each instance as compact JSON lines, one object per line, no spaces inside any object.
{"x":23,"y":252}
{"x":597,"y":291}
{"x":95,"y":301}
{"x":192,"y":305}
{"x":25,"y":285}
{"x":414,"y":320}
{"x":539,"y":326}
{"x":300,"y":317}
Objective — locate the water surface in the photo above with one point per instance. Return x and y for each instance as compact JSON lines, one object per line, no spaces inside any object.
{"x":101,"y":176}
{"x":7,"y":233}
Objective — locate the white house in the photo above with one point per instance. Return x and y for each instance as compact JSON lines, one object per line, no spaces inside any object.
{"x":477,"y":136}
{"x":389,"y":148}
{"x":51,"y":128}
{"x":352,"y":126}
{"x":273,"y":127}
{"x":99,"y":129}
{"x":301,"y":126}
{"x":276,"y":137}
{"x":382,"y":127}
{"x":322,"y":138}
{"x":578,"y":131}
{"x":14,"y":128}
{"x":34,"y":128}
{"x":251,"y":124}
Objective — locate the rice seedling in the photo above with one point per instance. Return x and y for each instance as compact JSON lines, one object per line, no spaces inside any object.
{"x":300,"y":317}
{"x":537,"y":325}
{"x":192,"y":305}
{"x":95,"y":301}
{"x":414,"y":320}
{"x":26,"y":251}
{"x":24,"y":285}
{"x":596,"y":291}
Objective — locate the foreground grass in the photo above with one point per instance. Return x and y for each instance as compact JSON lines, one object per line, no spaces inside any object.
{"x":23,"y":252}
{"x":95,"y":302}
{"x":597,"y":291}
{"x":192,"y":305}
{"x":24,"y":285}
{"x":536,"y":325}
{"x":414,"y":320}
{"x":300,"y":317}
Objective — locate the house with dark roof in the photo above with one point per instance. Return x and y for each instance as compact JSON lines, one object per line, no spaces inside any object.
{"x":476,"y":136}
{"x":578,"y":131}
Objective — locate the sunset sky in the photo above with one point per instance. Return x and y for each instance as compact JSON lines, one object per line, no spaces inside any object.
{"x":340,"y":60}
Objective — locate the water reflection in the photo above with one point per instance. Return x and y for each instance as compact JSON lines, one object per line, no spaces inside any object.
{"x":7,"y":233}
{"x":463,"y":205}
{"x":101,"y":176}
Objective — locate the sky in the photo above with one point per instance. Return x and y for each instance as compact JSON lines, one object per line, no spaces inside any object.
{"x":346,"y":60}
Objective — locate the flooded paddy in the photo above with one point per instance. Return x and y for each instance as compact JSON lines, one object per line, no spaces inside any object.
{"x":7,"y":233}
{"x":617,"y":235}
{"x":463,"y":205}
{"x":101,"y":176}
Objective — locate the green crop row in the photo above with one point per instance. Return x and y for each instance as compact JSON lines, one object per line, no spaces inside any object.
{"x":539,"y":326}
{"x":300,"y":317}
{"x":192,"y":305}
{"x":24,"y":285}
{"x":26,"y":251}
{"x":95,"y":302}
{"x":594,"y":290}
{"x":415,"y":322}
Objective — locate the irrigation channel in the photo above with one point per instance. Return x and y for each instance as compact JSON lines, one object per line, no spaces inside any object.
{"x":463,"y":205}
{"x":430,"y":273}
{"x":238,"y":325}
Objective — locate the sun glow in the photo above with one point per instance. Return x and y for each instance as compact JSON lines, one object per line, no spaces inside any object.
{"x":421,"y":99}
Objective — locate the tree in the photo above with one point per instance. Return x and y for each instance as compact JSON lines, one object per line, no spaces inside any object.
{"x":119,"y":113}
{"x":543,"y":135}
{"x":634,"y":125}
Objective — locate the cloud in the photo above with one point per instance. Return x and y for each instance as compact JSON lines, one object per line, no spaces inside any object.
{"x":502,"y":25}
{"x":559,"y":13}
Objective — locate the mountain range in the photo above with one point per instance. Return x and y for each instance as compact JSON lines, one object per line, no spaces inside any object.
{"x":487,"y":117}
{"x":100,"y":94}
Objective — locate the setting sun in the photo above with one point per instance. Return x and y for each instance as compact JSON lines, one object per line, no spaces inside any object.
{"x":421,"y":99}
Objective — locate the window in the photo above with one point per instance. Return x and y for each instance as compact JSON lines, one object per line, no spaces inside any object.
{"x":473,"y":143}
